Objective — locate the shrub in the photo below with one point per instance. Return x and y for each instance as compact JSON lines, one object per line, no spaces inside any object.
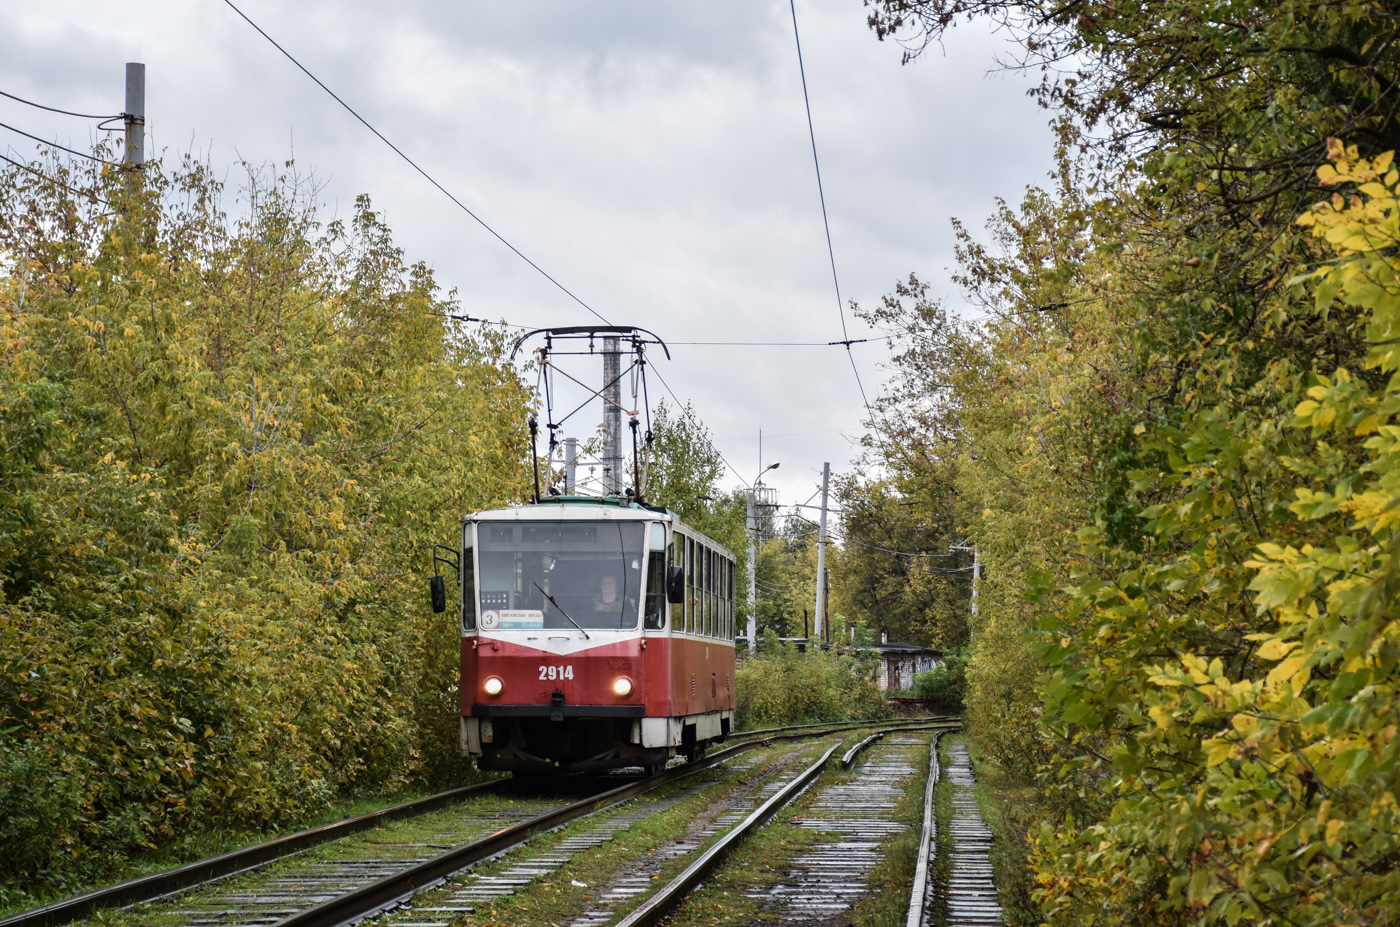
{"x":226,"y":447}
{"x":780,"y":685}
{"x":946,"y":684}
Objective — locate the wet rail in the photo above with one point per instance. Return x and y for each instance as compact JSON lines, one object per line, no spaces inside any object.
{"x":971,"y":896}
{"x":824,"y":881}
{"x":855,"y":819}
{"x":338,"y":892}
{"x":967,"y":897}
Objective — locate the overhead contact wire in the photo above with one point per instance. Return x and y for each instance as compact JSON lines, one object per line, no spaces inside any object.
{"x":826,"y":223}
{"x":54,"y":109}
{"x":72,"y":151}
{"x":426,"y":176}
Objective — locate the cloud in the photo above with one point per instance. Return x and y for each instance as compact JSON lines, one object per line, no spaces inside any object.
{"x":652,"y":157}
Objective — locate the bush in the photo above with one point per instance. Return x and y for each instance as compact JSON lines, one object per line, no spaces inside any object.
{"x":226,"y":448}
{"x":780,"y":685}
{"x":946,"y":684}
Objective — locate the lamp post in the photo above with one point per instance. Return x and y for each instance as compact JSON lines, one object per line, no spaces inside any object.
{"x":752,"y":524}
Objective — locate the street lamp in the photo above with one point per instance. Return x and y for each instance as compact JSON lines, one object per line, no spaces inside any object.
{"x":753,"y":555}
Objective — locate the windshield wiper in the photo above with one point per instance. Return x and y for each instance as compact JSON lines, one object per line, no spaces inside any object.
{"x":561,"y":611}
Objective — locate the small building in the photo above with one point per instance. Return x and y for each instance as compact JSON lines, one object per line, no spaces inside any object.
{"x":900,"y":661}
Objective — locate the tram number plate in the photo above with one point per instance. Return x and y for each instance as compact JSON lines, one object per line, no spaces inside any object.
{"x":556,"y":672}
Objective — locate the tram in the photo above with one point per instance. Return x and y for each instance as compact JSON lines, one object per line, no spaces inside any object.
{"x":597,"y":632}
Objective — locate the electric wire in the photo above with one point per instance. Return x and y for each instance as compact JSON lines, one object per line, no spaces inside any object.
{"x":812,"y":133}
{"x":826,"y":224}
{"x":686,"y":412}
{"x":54,"y":109}
{"x":72,"y":151}
{"x":40,"y":174}
{"x":428,"y":177}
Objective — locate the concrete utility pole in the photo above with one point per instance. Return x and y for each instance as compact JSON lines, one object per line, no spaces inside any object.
{"x":976,"y":571}
{"x":135,"y":115}
{"x":570,"y":465}
{"x":751,"y":525}
{"x":976,"y":575}
{"x":751,"y":522}
{"x":822,"y":628}
{"x":612,"y":416}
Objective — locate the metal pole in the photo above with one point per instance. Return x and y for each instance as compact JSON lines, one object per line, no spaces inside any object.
{"x":570,"y":464}
{"x":822,"y":628}
{"x":612,"y":416}
{"x":752,"y":526}
{"x":135,"y":115}
{"x":826,"y":605}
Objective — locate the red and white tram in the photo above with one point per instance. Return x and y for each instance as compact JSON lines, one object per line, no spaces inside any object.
{"x":596,"y":633}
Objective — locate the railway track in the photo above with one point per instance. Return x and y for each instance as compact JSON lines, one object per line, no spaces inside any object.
{"x":967,"y":897}
{"x":294,"y":890}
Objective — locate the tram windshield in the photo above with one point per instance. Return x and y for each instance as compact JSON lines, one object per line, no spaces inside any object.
{"x":539,"y":574}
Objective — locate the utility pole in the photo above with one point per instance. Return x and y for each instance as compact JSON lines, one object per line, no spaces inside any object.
{"x":976,"y":574}
{"x":822,"y":627}
{"x":751,"y":523}
{"x":135,"y":115}
{"x":826,"y":605}
{"x":612,"y":416}
{"x":570,"y":464}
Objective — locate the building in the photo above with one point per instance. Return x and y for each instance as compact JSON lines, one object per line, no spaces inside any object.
{"x":899,"y":661}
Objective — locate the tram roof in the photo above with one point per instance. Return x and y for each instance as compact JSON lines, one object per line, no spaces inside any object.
{"x":590,"y":508}
{"x":574,"y":508}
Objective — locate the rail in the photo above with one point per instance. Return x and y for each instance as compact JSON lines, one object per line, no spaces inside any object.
{"x":660,"y":904}
{"x":918,"y":893}
{"x":172,"y":881}
{"x":387,"y":891}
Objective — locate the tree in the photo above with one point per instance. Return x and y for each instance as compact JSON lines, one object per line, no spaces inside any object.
{"x":227,"y":445}
{"x":896,"y":571}
{"x":1172,"y":446}
{"x":684,"y":471}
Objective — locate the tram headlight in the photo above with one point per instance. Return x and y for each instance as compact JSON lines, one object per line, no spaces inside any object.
{"x":493,"y":685}
{"x":622,"y":687}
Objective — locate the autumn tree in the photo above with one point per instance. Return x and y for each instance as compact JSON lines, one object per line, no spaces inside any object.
{"x":1172,"y":444}
{"x":228,"y":441}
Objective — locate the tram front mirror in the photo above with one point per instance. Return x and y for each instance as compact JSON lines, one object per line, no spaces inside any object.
{"x":675,"y":584}
{"x":438,"y":589}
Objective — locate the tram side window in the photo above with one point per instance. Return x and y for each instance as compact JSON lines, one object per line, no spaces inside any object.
{"x":468,"y":582}
{"x":728,"y":600}
{"x":709,"y":593}
{"x":733,"y":623}
{"x":719,"y":599}
{"x":689,"y":585}
{"x":678,"y":559}
{"x":725,"y":605}
{"x":702,"y":561}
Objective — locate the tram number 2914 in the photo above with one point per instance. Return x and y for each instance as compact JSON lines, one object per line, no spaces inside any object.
{"x":556,"y":672}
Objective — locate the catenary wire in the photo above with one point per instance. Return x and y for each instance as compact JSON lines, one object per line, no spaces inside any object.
{"x":72,"y":151}
{"x":414,"y":165}
{"x":40,"y":174}
{"x":826,"y":224}
{"x":686,"y":412}
{"x":54,"y":109}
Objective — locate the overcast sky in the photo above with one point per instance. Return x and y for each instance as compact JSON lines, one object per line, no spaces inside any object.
{"x":652,"y":157}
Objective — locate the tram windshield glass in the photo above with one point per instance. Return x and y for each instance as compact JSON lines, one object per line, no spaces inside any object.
{"x":539,"y":574}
